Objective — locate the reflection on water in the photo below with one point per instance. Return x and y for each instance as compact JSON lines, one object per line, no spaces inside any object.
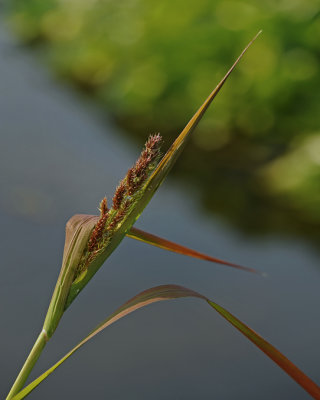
{"x":57,"y":159}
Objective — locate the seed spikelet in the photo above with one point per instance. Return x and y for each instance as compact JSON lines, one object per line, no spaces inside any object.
{"x":103,"y":206}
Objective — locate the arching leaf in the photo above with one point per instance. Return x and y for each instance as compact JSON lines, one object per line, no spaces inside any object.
{"x":168,"y":292}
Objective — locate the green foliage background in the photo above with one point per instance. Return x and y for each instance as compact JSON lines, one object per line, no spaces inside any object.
{"x":150,"y":64}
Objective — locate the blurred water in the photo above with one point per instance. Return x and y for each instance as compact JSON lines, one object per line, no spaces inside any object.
{"x":59,"y":157}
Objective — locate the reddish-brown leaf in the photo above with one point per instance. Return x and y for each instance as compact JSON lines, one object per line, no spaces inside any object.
{"x":165,"y":244}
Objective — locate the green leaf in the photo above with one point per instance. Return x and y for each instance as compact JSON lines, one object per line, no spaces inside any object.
{"x":149,"y":187}
{"x":168,"y":292}
{"x":165,"y":244}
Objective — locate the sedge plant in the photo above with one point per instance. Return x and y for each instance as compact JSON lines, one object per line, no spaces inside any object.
{"x":91,"y":239}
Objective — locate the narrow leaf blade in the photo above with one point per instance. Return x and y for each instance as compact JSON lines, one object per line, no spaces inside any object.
{"x":165,"y":244}
{"x":174,"y":151}
{"x":168,"y":292}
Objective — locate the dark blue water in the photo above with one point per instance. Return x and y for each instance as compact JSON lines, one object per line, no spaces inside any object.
{"x":59,"y":157}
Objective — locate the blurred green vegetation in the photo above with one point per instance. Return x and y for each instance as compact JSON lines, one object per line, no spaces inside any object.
{"x":256,"y":156}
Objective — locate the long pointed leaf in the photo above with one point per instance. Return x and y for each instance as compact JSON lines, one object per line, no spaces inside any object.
{"x":168,"y":292}
{"x":165,"y":244}
{"x":174,"y":151}
{"x":149,"y":187}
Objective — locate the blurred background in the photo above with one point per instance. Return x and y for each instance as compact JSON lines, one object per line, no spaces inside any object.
{"x":255,"y":159}
{"x":83,"y":83}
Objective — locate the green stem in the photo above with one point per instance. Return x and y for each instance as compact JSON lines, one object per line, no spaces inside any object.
{"x":29,"y":364}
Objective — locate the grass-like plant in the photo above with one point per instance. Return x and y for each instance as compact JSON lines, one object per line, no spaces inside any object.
{"x":91,"y":239}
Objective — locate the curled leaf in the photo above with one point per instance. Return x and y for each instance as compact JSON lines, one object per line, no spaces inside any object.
{"x":78,"y":230}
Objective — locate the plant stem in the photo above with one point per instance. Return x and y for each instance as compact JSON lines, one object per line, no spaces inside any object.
{"x":29,"y":364}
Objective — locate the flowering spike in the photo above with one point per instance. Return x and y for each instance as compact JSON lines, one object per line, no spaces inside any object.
{"x":126,"y":195}
{"x":154,"y":142}
{"x":97,"y":233}
{"x":103,"y":206}
{"x":145,"y":163}
{"x":119,"y":194}
{"x":130,"y":179}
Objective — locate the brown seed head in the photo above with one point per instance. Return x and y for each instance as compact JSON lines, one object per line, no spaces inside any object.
{"x":123,"y":199}
{"x":139,"y":172}
{"x":97,"y":233}
{"x":103,"y":206}
{"x":154,"y":142}
{"x":119,"y":194}
{"x":131,"y":174}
